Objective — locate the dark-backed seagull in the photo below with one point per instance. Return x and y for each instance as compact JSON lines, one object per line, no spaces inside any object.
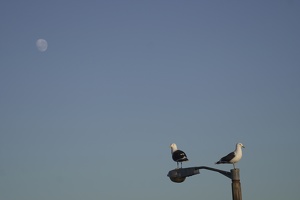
{"x":232,"y":157}
{"x":178,"y":155}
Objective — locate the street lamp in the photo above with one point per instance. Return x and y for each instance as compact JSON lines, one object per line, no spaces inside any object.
{"x":179,"y":175}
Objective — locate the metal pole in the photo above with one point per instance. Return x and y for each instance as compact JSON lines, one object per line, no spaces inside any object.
{"x":236,"y":185}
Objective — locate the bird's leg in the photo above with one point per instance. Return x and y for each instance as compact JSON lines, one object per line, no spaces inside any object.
{"x":233,"y":165}
{"x":177,"y":165}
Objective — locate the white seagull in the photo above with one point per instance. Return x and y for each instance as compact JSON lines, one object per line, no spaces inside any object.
{"x":178,"y":155}
{"x":232,"y":157}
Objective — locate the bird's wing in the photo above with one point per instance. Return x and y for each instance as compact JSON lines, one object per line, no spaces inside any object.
{"x":228,"y":157}
{"x":179,"y":156}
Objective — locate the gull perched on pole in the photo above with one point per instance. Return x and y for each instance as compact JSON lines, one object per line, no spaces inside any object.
{"x":178,"y":155}
{"x":232,"y":157}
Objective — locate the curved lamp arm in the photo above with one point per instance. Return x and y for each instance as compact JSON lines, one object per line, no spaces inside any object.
{"x":185,"y":172}
{"x":225,"y":173}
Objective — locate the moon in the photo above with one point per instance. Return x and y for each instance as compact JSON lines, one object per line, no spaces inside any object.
{"x":41,"y":45}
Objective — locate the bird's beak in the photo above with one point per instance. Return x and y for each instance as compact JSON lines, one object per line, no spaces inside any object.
{"x":243,"y":146}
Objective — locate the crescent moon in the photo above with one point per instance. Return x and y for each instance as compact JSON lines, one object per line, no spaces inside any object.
{"x":41,"y":45}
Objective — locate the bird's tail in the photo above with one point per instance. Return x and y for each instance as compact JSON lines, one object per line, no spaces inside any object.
{"x":183,"y":159}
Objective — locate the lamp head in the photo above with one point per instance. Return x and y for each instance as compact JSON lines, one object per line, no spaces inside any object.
{"x":179,"y":175}
{"x":177,"y":179}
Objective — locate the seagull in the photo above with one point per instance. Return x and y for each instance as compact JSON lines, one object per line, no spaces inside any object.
{"x":232,"y":157}
{"x":178,"y":155}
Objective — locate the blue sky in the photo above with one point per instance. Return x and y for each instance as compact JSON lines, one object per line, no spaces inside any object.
{"x":94,"y":115}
